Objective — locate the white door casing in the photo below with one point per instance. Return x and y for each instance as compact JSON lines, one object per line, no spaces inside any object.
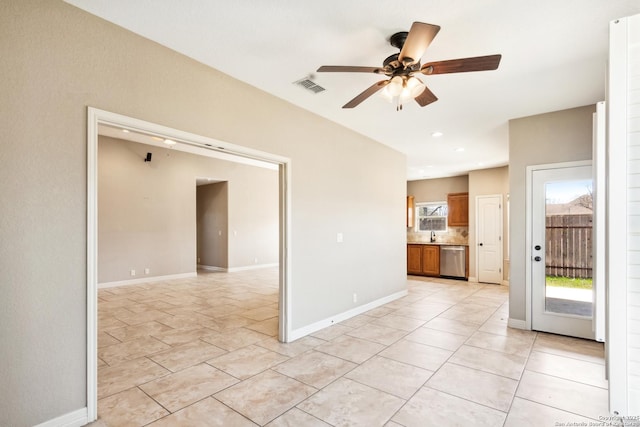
{"x":94,"y":118}
{"x":489,"y":238}
{"x":599,"y":221}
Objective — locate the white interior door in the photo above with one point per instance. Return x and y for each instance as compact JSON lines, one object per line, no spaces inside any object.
{"x":489,"y":238}
{"x":562,"y":254}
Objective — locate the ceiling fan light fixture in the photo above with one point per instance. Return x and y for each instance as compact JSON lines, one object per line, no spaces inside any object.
{"x":395,"y":86}
{"x":405,"y":95}
{"x":414,"y":86}
{"x":386,"y":95}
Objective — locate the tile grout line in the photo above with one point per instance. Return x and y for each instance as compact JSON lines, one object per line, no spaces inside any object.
{"x":515,"y":393}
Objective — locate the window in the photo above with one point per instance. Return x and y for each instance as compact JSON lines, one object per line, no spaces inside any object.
{"x":431,"y":216}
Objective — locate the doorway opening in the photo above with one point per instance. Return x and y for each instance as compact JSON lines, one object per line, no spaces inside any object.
{"x":193,"y":144}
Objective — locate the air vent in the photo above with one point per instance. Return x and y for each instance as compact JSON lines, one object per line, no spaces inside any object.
{"x":308,"y":84}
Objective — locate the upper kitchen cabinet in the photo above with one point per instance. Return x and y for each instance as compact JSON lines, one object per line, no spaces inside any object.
{"x":411,"y":209}
{"x":458,"y":209}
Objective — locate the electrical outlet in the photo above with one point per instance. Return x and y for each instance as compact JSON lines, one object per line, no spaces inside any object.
{"x":355,"y":297}
{"x":133,"y":272}
{"x":255,"y":260}
{"x":146,"y":271}
{"x":339,"y":238}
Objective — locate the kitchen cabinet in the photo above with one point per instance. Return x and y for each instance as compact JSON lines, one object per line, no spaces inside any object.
{"x":431,"y":260}
{"x":411,"y":210}
{"x":423,"y":260}
{"x":466,"y":263}
{"x":414,"y":259}
{"x":458,"y":205}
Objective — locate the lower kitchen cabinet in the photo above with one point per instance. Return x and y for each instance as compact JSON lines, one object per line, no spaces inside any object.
{"x":431,"y":260}
{"x":414,"y":259}
{"x":423,"y":260}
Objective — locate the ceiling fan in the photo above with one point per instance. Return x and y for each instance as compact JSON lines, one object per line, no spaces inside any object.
{"x":401,"y":68}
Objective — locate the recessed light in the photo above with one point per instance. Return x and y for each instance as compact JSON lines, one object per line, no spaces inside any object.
{"x":169,"y":142}
{"x":437,"y":134}
{"x":459,"y":149}
{"x":125,"y":130}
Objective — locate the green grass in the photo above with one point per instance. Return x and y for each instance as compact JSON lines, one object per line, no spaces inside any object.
{"x":568,"y":282}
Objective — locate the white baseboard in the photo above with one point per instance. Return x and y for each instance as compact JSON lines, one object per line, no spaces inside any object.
{"x":475,"y":280}
{"x":234,"y":269}
{"x":517,"y":324}
{"x":211,"y":268}
{"x":146,"y":280}
{"x":251,"y":267}
{"x":314,"y":327}
{"x":72,"y":419}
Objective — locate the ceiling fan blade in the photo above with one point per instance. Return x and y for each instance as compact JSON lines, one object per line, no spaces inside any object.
{"x":348,"y":69}
{"x":418,"y":40}
{"x":462,"y":65}
{"x":366,"y":94}
{"x":426,"y":97}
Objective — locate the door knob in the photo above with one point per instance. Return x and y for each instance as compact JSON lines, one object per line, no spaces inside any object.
{"x":480,"y":244}
{"x":538,"y":259}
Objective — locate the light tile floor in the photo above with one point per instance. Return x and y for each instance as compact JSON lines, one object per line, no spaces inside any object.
{"x":203,"y":352}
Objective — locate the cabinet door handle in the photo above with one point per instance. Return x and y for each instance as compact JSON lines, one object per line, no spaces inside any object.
{"x":480,"y":244}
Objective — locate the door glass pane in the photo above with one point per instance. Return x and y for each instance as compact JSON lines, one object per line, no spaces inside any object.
{"x":568,"y":247}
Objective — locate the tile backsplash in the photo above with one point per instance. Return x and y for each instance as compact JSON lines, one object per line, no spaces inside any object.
{"x":453,"y":235}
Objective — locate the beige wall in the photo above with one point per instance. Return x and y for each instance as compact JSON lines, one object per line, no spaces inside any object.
{"x":560,"y":136}
{"x":212,"y":225}
{"x":147,"y":215}
{"x":481,"y":183}
{"x":436,"y":190}
{"x":57,"y":60}
{"x":253,"y":218}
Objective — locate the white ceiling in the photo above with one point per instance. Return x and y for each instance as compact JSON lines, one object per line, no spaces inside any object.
{"x":554,"y":55}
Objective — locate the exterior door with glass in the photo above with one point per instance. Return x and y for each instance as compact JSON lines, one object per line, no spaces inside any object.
{"x":562,"y":297}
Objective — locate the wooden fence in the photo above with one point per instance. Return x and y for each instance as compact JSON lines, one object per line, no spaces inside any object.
{"x":569,"y":246}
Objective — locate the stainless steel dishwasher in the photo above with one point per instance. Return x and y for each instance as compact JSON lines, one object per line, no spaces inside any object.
{"x":452,"y":261}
